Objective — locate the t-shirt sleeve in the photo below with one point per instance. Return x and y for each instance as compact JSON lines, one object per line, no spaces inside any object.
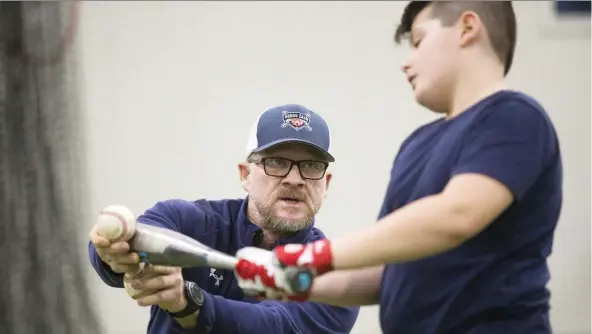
{"x":511,"y":144}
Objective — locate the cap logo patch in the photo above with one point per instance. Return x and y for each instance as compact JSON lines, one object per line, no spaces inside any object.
{"x":296,"y":120}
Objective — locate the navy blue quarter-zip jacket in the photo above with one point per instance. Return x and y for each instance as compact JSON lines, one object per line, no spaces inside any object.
{"x":223,"y":225}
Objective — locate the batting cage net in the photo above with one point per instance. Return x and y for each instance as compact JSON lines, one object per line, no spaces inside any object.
{"x":42,"y":276}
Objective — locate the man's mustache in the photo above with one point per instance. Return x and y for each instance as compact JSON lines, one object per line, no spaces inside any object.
{"x":293,"y":195}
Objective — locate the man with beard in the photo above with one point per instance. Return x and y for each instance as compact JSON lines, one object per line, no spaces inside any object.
{"x":286,"y":178}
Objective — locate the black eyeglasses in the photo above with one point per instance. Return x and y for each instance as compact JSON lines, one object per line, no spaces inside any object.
{"x":281,"y":167}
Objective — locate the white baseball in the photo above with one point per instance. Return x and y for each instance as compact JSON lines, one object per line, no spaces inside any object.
{"x":116,"y":223}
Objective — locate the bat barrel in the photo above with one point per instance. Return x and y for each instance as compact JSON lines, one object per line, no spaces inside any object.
{"x":161,"y":246}
{"x":157,"y":245}
{"x":220,"y":260}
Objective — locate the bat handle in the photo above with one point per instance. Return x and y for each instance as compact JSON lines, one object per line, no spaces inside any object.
{"x":300,"y":279}
{"x":143,"y":256}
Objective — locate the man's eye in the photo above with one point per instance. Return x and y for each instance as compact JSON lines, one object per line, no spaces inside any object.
{"x":313,"y":165}
{"x":275,"y":162}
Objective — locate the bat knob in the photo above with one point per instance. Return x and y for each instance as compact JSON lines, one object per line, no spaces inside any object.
{"x":300,"y":279}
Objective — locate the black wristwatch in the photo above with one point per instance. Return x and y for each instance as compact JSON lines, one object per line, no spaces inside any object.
{"x":195,"y":300}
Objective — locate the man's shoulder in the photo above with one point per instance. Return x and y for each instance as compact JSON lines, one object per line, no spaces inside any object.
{"x":228,"y":207}
{"x":220,"y":206}
{"x":315,"y":234}
{"x":212,"y":213}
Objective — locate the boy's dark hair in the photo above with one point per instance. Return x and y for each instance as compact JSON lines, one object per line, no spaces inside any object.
{"x":497,"y":16}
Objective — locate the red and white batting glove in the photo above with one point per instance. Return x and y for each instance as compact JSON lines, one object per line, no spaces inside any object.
{"x":315,"y":256}
{"x":262,"y":273}
{"x":259,"y":276}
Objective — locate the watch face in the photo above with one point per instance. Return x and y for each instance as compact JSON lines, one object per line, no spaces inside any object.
{"x":195,"y":292}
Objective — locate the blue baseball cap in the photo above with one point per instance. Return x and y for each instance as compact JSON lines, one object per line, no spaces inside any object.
{"x":290,"y":123}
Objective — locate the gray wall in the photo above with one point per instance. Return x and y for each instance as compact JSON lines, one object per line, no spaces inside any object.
{"x":170,"y":90}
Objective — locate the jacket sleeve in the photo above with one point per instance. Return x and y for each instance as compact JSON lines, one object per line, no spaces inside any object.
{"x":103,"y":270}
{"x":220,"y":315}
{"x":161,"y":215}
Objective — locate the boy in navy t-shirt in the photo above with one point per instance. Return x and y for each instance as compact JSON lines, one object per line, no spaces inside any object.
{"x":468,"y":219}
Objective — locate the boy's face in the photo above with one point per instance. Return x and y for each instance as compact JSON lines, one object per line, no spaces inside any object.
{"x":433,"y":61}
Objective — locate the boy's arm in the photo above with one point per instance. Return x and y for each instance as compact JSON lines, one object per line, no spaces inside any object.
{"x":360,"y":287}
{"x":506,"y":154}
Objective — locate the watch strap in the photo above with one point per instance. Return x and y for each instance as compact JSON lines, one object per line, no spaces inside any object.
{"x":195,"y":299}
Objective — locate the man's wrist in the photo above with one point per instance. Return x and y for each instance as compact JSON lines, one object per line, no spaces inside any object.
{"x":189,"y":321}
{"x":180,"y":306}
{"x":191,"y":302}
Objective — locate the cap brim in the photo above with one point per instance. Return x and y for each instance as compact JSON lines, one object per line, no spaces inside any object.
{"x":328,"y":157}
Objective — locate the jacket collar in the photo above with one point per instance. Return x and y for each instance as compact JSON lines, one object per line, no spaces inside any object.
{"x":246,"y":230}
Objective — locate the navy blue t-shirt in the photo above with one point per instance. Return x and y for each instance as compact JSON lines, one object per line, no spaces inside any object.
{"x":224,"y":225}
{"x":494,"y":283}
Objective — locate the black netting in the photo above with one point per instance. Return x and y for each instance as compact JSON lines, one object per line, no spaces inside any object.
{"x":42,"y":273}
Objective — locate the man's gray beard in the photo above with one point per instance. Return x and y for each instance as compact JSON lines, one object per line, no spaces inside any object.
{"x":278,"y":225}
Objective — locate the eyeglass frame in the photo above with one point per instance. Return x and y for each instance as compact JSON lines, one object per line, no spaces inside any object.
{"x":261,"y":161}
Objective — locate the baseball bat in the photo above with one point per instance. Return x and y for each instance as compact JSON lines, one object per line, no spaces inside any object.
{"x":160,"y":246}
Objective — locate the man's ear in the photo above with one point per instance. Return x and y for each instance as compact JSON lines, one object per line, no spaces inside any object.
{"x":243,"y":173}
{"x":328,"y":178}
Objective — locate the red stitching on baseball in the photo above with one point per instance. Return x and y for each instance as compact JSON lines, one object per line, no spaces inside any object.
{"x":121,"y":220}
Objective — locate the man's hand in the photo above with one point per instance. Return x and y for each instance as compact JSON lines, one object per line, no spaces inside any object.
{"x":116,"y":255}
{"x":162,"y":286}
{"x":262,"y":273}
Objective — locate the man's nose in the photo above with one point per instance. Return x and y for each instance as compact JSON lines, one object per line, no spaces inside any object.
{"x":294,"y":178}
